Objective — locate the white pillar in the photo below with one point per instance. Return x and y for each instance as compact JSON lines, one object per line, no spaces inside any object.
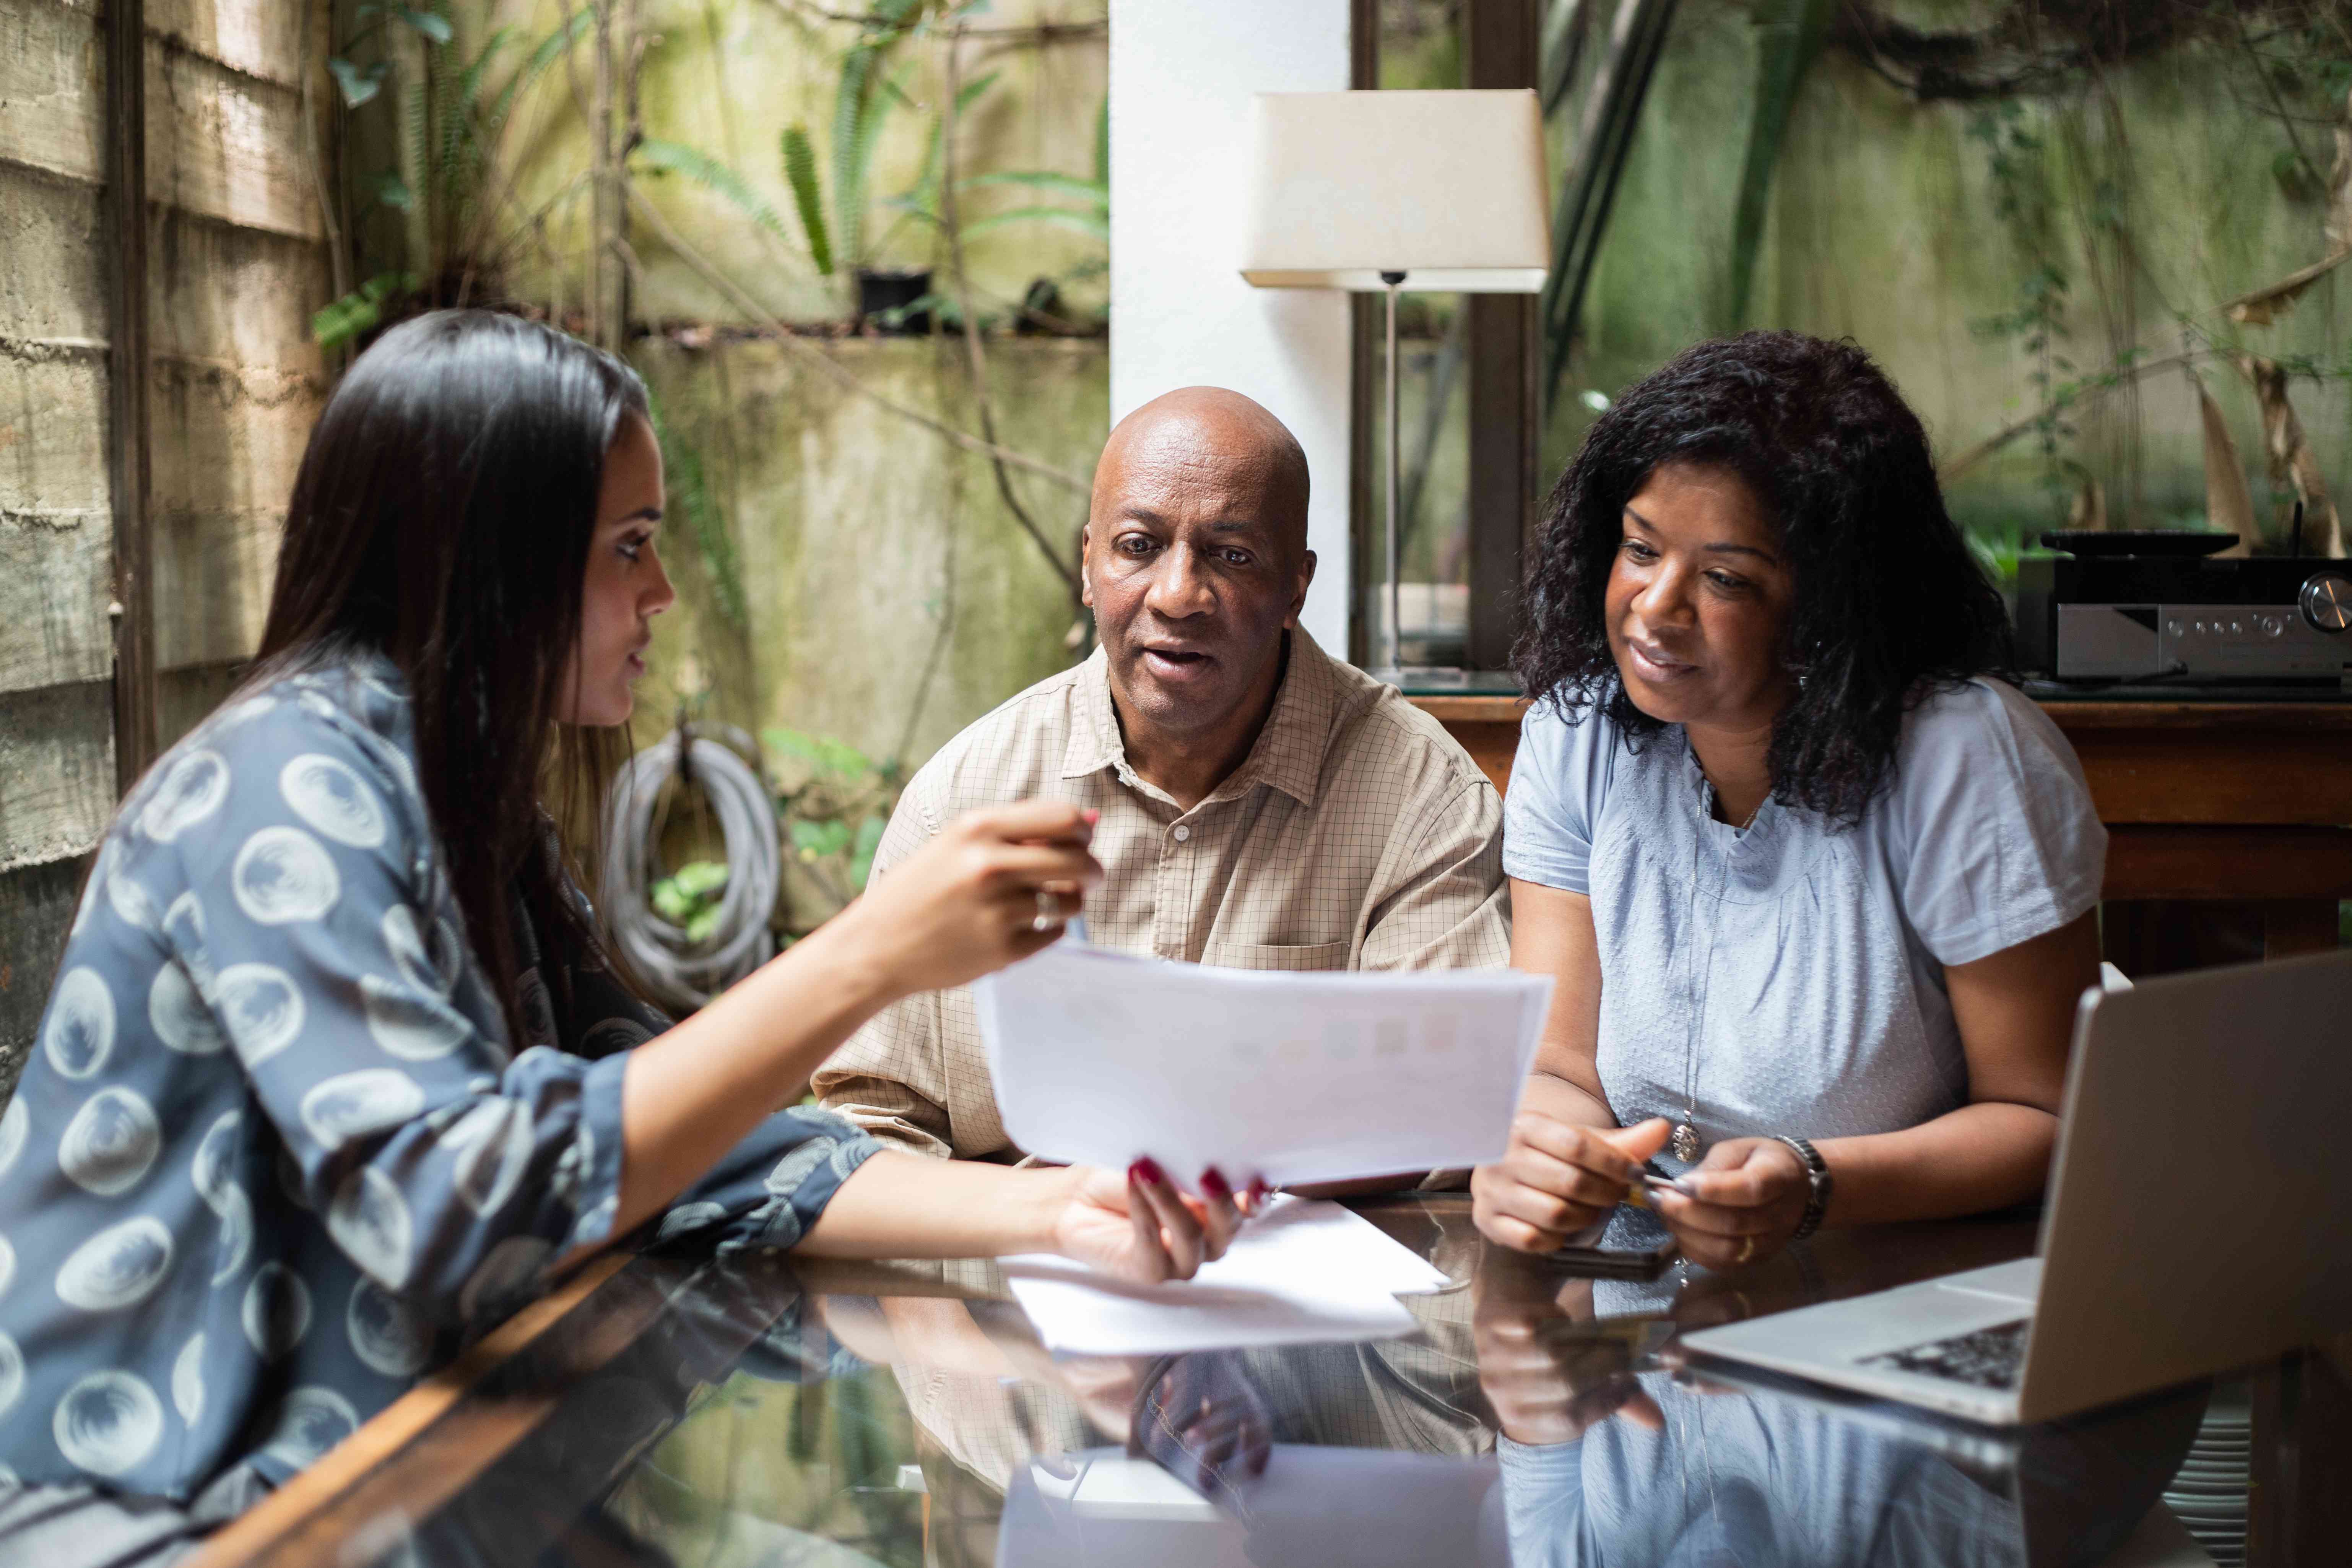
{"x":1181,"y":73}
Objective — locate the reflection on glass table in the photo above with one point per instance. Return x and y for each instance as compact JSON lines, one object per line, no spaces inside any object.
{"x":676,"y":1411}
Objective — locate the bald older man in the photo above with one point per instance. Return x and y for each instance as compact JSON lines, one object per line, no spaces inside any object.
{"x":1263,"y":806}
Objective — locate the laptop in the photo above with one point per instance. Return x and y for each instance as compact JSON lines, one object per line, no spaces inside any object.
{"x":2197,"y":1218}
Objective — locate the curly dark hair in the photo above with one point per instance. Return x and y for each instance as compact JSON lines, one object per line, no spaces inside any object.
{"x":1890,"y":603}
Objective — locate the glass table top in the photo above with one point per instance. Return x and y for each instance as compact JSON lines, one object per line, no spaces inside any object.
{"x":774,"y":1410}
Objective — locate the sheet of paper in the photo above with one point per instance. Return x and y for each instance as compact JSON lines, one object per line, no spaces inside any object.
{"x":1302,"y":1272}
{"x":1100,"y":1058}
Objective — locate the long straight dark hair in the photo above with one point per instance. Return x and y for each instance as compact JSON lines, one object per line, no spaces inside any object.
{"x":442,"y":518}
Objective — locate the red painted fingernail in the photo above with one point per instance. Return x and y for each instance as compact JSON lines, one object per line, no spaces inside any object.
{"x":1148,"y":1170}
{"x":1258,"y":1191}
{"x":1214,"y":1185}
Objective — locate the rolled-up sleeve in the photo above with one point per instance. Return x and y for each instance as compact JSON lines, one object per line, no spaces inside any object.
{"x":771,"y":1186}
{"x":1446,"y":906}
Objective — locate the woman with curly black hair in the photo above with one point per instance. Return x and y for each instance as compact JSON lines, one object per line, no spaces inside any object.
{"x":1816,"y":885}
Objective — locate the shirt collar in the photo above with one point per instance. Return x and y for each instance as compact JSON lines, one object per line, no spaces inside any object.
{"x":1288,"y":755}
{"x":1094,"y":742}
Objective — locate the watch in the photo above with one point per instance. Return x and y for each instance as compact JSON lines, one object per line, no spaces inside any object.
{"x":1818,"y":1181}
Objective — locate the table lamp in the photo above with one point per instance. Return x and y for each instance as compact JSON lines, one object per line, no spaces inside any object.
{"x":1442,"y":192}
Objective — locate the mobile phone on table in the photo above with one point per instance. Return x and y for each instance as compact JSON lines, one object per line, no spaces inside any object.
{"x":1623,"y":1262}
{"x":1627,"y":1244}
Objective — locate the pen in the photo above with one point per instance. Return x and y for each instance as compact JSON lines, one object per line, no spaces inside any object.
{"x":1637,"y":1194}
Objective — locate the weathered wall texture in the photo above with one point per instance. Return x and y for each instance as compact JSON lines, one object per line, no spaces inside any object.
{"x":727,"y":79}
{"x":892,"y":596}
{"x":1887,"y":225}
{"x":235,"y":268}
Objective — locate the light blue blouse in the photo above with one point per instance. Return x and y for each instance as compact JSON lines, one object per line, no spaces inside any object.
{"x":273,"y":1157}
{"x":1754,"y":1479}
{"x":1789,"y":978}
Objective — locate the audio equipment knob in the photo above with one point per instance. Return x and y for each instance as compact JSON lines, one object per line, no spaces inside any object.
{"x":2326,"y":602}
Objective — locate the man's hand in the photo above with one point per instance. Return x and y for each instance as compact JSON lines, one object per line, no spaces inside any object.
{"x":1557,"y":1179}
{"x":1739,"y":1205}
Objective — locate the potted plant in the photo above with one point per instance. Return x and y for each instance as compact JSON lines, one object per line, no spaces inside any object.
{"x":890,"y":299}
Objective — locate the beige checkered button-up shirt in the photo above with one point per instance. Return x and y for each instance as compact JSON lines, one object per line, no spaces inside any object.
{"x":1356,"y":835}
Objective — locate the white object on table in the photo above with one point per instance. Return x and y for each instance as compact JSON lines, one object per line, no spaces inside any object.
{"x":1315,"y":1507}
{"x":1100,"y":1058}
{"x":1304,"y":1271}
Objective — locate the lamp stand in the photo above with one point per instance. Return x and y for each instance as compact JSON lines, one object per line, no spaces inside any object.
{"x":1393,"y":642}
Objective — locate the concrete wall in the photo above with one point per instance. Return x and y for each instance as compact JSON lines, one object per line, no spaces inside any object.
{"x":727,"y":78}
{"x":235,"y":268}
{"x":892,"y":596}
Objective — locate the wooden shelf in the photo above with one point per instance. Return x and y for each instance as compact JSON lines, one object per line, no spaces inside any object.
{"x":2071,"y":716}
{"x":2247,"y":801}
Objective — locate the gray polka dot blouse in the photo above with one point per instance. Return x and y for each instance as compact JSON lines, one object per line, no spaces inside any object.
{"x":273,"y":1157}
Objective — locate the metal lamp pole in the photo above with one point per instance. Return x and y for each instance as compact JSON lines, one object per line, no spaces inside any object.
{"x":1392,"y":643}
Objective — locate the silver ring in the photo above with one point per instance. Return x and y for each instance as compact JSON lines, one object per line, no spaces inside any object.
{"x":1049,"y":910}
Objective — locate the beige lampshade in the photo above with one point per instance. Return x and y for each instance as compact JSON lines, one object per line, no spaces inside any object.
{"x":1445,"y":187}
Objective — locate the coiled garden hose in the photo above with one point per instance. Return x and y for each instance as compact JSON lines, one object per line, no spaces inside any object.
{"x":681,"y":971}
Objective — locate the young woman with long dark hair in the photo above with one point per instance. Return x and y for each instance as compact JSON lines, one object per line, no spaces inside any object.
{"x":1816,"y":884}
{"x":334,"y":1070}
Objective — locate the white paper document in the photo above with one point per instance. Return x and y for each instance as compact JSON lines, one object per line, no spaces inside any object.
{"x":1304,"y":1271}
{"x":1100,"y":1058}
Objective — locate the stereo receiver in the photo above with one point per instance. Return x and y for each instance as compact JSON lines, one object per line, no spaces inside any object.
{"x":2150,"y":608}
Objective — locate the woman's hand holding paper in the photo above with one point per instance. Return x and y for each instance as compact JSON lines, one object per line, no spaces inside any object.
{"x":1139,"y":1227}
{"x":1203,"y":1423}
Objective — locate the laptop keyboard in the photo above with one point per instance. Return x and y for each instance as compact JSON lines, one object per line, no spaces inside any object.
{"x":1985,"y":1358}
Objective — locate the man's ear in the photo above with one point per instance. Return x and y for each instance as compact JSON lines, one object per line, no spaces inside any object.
{"x":1085,"y":556}
{"x":1298,"y":599}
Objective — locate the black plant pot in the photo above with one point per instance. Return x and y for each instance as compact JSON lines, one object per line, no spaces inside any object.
{"x":883,"y":299}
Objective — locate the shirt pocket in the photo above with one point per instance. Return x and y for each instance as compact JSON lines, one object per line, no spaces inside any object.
{"x":1256,"y":955}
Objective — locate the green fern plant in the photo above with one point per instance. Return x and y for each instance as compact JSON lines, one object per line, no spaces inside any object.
{"x":702,"y":169}
{"x":863,"y":97}
{"x":834,"y":801}
{"x":1091,"y":216}
{"x":448,"y":118}
{"x":800,"y":173}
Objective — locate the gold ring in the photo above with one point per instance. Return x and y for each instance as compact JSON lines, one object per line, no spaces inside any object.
{"x":1049,"y":910}
{"x":1747,"y":1249}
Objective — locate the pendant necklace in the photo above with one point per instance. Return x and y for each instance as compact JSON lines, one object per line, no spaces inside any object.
{"x":1685,"y":1143}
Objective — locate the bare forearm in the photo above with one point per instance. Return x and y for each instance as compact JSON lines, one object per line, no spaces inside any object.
{"x":906,"y":1205}
{"x":1979,"y":1157}
{"x":1568,"y":1104}
{"x":692,"y":1093}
